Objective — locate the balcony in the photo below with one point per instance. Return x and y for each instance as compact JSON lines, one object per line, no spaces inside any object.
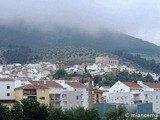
{"x":55,"y":97}
{"x":32,"y":97}
{"x":29,"y":92}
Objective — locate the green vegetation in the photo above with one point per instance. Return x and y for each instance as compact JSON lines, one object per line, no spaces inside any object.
{"x":29,"y":110}
{"x":120,"y":113}
{"x":147,"y":64}
{"x":149,"y":57}
{"x":33,"y":110}
{"x":59,"y":74}
{"x":70,"y":54}
{"x":4,"y":113}
{"x":116,"y":114}
{"x":74,"y":45}
{"x":17,"y":55}
{"x":24,"y":54}
{"x":109,"y":80}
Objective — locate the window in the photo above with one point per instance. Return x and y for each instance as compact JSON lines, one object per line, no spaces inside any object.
{"x":42,"y":98}
{"x":97,"y":95}
{"x":77,"y":97}
{"x":8,"y":94}
{"x":22,"y":83}
{"x":8,"y":87}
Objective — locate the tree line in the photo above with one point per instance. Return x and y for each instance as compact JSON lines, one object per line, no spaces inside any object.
{"x":33,"y":110}
{"x":109,"y":80}
{"x":142,"y":62}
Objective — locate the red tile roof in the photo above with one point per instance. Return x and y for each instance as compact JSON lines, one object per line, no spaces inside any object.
{"x":132,"y":85}
{"x":51,"y":84}
{"x":6,"y":79}
{"x":31,"y":86}
{"x":100,"y":91}
{"x":76,"y":84}
{"x":155,"y":85}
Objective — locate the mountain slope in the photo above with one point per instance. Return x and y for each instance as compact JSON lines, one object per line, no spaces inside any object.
{"x":60,"y":36}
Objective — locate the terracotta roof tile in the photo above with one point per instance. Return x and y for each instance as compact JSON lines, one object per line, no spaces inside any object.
{"x":132,"y":85}
{"x":51,"y":84}
{"x":6,"y":79}
{"x":100,"y":91}
{"x":153,"y":85}
{"x":76,"y":84}
{"x":31,"y":86}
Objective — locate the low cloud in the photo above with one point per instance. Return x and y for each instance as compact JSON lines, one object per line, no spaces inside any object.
{"x":134,"y":17}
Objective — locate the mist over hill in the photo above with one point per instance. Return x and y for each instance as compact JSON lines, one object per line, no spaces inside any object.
{"x":103,"y":40}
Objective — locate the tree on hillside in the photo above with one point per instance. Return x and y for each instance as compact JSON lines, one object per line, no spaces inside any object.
{"x":147,"y":64}
{"x":149,"y":78}
{"x":17,"y":55}
{"x":96,"y":79}
{"x":59,"y":74}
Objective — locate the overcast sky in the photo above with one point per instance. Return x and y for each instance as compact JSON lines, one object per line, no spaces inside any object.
{"x":139,"y":18}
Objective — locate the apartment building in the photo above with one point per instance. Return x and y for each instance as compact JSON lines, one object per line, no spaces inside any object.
{"x":151,"y":94}
{"x":55,"y":92}
{"x":124,"y":92}
{"x":135,"y":92}
{"x":75,"y":94}
{"x":33,"y":92}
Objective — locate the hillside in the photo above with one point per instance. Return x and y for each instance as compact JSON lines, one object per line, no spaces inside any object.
{"x":106,"y":41}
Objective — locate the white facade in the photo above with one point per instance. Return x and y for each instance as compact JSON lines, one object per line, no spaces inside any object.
{"x":121,"y":93}
{"x":7,"y":89}
{"x":73,"y":96}
{"x":152,"y":97}
{"x":121,"y":97}
{"x":119,"y":87}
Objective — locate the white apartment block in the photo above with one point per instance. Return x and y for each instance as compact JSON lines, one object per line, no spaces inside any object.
{"x":74,"y":94}
{"x":124,"y":92}
{"x":135,"y":92}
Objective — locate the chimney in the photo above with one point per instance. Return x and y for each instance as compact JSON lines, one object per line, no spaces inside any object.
{"x":90,"y":92}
